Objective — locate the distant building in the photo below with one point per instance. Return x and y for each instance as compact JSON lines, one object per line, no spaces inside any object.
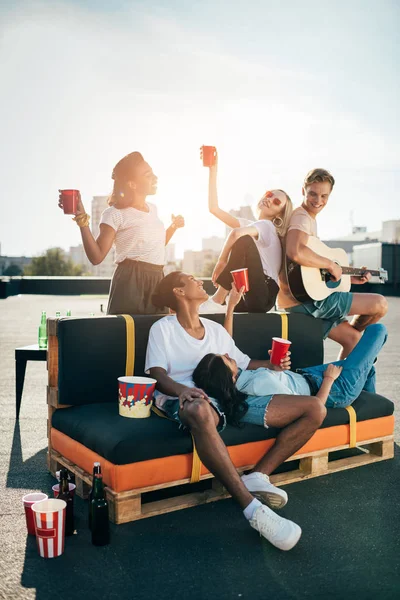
{"x":244,"y":212}
{"x":391,"y":231}
{"x":212,"y":243}
{"x":198,"y":262}
{"x":170,"y":253}
{"x":19,"y":262}
{"x":107,"y":267}
{"x":78,"y":256}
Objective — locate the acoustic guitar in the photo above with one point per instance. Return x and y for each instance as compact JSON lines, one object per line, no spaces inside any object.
{"x":310,"y":283}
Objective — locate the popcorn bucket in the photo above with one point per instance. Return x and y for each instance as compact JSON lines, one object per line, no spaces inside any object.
{"x":135,"y":396}
{"x":49,"y":517}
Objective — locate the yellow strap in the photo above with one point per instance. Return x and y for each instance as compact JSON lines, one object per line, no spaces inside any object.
{"x":196,"y":463}
{"x":130,"y":345}
{"x":352,"y":425}
{"x":285,"y":326}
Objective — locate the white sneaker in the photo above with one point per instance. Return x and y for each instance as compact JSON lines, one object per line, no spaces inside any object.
{"x":282,"y":533}
{"x":261,"y":487}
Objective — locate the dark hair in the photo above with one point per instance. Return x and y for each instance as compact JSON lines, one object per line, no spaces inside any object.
{"x":122,"y":174}
{"x":164,"y":292}
{"x":215,"y":378}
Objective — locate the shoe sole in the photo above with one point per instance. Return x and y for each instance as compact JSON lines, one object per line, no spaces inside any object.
{"x":270,"y":499}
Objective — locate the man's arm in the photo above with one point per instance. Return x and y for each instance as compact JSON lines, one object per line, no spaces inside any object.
{"x":168,"y":386}
{"x":297,"y":250}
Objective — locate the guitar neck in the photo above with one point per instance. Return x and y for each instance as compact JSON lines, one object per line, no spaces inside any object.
{"x":359,"y":272}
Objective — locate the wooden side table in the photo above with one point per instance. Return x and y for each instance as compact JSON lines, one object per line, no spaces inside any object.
{"x":22,"y":355}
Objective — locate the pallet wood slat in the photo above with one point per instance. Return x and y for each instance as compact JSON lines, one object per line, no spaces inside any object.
{"x":127,"y":506}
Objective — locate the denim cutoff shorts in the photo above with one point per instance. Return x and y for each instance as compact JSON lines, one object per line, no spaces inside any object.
{"x":256,"y":414}
{"x":333,"y":310}
{"x":171,"y":409}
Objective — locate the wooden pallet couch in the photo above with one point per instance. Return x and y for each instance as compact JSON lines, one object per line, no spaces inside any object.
{"x":140,"y":456}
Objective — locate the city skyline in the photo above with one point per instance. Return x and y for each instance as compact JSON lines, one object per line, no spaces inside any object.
{"x":296,"y":87}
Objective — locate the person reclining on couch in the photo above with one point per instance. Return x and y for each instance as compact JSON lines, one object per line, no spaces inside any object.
{"x":176,"y":345}
{"x":250,"y":394}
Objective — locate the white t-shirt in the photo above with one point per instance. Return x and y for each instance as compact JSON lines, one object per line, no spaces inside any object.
{"x":303,"y":221}
{"x":139,"y":235}
{"x":173,"y":349}
{"x":268,"y":245}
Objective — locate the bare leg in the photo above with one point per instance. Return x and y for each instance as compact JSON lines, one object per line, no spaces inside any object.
{"x":368,"y":309}
{"x":300,"y":416}
{"x":345,"y":335}
{"x":202,"y":421}
{"x":220,"y":295}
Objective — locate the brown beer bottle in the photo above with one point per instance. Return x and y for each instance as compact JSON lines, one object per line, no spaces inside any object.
{"x":65,"y":495}
{"x":99,"y":510}
{"x":96,"y":471}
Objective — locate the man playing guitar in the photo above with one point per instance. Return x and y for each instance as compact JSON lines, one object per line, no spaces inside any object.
{"x":366,"y":308}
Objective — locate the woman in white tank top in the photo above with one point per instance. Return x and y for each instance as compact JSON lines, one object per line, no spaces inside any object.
{"x":252,"y":244}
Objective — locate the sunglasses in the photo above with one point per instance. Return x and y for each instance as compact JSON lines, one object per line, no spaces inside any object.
{"x":275,"y":200}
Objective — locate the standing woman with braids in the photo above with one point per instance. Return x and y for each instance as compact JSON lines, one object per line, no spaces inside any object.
{"x":132,"y":225}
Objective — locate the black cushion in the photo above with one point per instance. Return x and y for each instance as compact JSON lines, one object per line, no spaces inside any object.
{"x":92,"y":351}
{"x":123,"y":441}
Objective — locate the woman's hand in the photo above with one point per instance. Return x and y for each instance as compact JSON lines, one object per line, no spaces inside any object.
{"x":332,"y":371}
{"x":177,"y":221}
{"x":80,"y":209}
{"x":234,"y":296}
{"x":285,"y":363}
{"x":219,"y":267}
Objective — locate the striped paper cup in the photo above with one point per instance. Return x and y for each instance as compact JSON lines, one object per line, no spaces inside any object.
{"x":135,"y":396}
{"x":49,"y":516}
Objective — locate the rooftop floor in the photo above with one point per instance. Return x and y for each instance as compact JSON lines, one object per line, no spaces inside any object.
{"x":350,"y":547}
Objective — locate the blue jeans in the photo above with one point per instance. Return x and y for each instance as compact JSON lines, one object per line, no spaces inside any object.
{"x":358,"y":371}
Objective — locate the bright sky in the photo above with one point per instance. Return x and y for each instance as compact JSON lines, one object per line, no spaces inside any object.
{"x":278,"y":87}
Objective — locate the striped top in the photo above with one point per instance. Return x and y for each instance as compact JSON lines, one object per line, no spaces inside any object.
{"x":139,"y":235}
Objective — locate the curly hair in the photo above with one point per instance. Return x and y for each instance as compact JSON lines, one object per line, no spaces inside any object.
{"x":215,"y":378}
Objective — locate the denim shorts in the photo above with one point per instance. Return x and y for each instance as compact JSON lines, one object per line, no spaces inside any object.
{"x":256,"y":413}
{"x":333,"y":310}
{"x":171,"y":409}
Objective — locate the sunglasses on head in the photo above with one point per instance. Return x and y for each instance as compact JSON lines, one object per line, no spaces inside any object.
{"x":275,"y":200}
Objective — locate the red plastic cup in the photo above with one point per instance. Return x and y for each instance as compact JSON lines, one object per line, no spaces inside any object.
{"x":279,"y":350}
{"x":241,"y":278}
{"x":209,"y":154}
{"x":70,"y":199}
{"x":56,"y":489}
{"x":29,"y":500}
{"x":49,"y":518}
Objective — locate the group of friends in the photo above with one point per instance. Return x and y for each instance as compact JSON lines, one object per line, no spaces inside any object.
{"x":204,"y":381}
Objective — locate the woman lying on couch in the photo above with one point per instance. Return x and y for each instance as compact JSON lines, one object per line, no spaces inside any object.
{"x":246,"y":395}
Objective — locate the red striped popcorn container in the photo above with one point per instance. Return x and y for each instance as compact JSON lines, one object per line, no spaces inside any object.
{"x":135,"y":396}
{"x":49,"y":517}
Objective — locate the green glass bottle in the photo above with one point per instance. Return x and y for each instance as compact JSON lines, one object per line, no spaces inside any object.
{"x":65,"y":494}
{"x":69,"y":314}
{"x":43,"y":331}
{"x":99,"y":506}
{"x":58,"y":314}
{"x":96,"y":471}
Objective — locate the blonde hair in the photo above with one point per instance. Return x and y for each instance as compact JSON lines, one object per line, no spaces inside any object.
{"x":282,"y":220}
{"x":318,"y":176}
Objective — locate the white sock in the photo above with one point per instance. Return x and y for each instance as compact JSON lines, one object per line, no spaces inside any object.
{"x":251,"y":508}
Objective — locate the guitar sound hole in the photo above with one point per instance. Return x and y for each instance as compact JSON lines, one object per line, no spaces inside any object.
{"x":330,"y":283}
